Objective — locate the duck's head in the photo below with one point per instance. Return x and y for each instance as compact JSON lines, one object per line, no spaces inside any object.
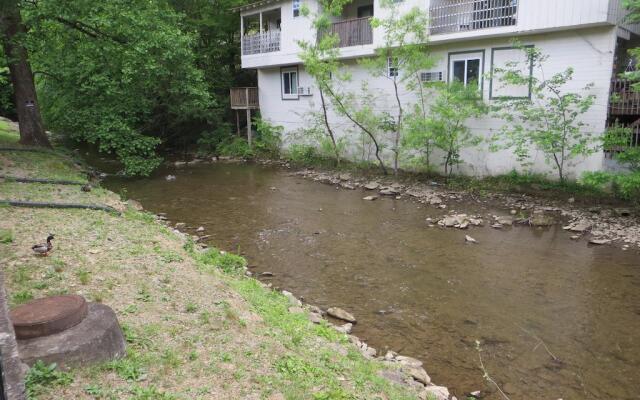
{"x":50,"y":237}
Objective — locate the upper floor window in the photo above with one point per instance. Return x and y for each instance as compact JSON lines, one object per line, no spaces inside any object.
{"x":296,"y":8}
{"x":392,"y":67}
{"x":289,"y":78}
{"x":466,"y":67}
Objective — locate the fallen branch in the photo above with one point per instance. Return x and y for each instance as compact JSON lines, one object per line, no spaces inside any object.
{"x":486,"y":375}
{"x":540,"y":342}
{"x":35,"y":204}
{"x":41,"y":180}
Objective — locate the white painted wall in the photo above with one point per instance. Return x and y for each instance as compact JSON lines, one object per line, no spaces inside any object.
{"x":589,"y":51}
{"x":534,"y":16}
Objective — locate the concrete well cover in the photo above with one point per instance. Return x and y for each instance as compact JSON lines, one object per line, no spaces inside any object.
{"x":48,"y":315}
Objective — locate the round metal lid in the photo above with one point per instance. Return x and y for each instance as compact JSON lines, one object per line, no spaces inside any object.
{"x":48,"y":315}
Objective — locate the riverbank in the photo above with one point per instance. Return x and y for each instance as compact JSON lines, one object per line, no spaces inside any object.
{"x":196,"y":327}
{"x":595,"y":223}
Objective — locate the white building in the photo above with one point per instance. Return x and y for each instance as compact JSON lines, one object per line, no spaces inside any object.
{"x":465,"y":35}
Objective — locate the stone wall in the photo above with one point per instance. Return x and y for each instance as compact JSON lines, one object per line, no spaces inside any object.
{"x":12,"y":367}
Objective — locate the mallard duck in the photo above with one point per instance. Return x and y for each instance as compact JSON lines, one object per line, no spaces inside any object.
{"x":43,"y":249}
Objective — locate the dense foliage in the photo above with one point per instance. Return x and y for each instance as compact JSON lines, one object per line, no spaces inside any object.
{"x":129,"y":76}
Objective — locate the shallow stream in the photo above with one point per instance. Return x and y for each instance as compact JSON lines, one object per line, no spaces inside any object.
{"x":555,"y":318}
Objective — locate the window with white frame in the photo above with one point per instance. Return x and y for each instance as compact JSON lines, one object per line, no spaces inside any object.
{"x":296,"y":7}
{"x":392,"y":67}
{"x":466,"y":68}
{"x":289,"y":77}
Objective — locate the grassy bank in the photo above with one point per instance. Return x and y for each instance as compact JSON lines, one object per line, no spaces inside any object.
{"x":196,"y":328}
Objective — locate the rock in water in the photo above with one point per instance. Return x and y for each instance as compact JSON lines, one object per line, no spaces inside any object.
{"x":435,"y":393}
{"x":169,"y":178}
{"x":372,"y":186}
{"x":370,"y":198}
{"x":339,"y":313}
{"x":469,"y":239}
{"x":346,"y":328}
{"x":599,"y":241}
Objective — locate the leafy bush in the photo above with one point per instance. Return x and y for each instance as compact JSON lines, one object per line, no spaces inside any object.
{"x":625,"y":186}
{"x":269,"y":139}
{"x":42,"y":375}
{"x":619,"y":137}
{"x":235,"y":147}
{"x":302,"y":154}
{"x":209,"y":141}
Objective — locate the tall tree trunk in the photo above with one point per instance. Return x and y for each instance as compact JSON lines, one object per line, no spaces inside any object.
{"x":13,"y":31}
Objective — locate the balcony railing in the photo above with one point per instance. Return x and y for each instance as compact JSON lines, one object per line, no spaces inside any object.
{"x":624,"y":100}
{"x":450,"y":16}
{"x":352,"y":32}
{"x":264,"y":42}
{"x":243,"y":98}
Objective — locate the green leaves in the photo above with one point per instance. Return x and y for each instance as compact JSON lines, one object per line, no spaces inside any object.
{"x":551,"y":121}
{"x":119,"y":74}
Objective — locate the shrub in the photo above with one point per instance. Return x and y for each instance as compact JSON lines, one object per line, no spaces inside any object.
{"x":209,"y":141}
{"x":625,"y":186}
{"x":302,"y":154}
{"x":268,"y":140}
{"x":235,"y":147}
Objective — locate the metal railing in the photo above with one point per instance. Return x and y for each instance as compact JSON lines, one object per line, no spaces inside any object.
{"x":244,"y":97}
{"x":264,"y":42}
{"x":450,"y":16}
{"x":624,"y":100}
{"x":351,"y":32}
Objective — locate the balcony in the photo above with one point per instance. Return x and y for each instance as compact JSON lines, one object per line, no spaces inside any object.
{"x":264,"y":42}
{"x":451,"y":16}
{"x":352,"y":32}
{"x":244,"y":98}
{"x":261,"y":32}
{"x":624,"y":100}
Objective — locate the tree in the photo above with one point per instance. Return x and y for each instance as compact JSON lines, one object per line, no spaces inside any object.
{"x":13,"y":32}
{"x":120,"y":74}
{"x":320,"y":59}
{"x":446,"y":126}
{"x":404,"y":54}
{"x":550,"y":121}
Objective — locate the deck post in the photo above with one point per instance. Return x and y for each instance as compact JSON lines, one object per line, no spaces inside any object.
{"x":249,"y":127}
{"x":237,"y":123}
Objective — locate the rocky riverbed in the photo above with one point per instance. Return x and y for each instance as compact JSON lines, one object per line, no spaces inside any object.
{"x":598,"y":225}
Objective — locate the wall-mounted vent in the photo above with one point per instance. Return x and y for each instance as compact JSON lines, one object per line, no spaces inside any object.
{"x":432,"y":76}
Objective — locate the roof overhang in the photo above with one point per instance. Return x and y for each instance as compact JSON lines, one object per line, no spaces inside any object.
{"x":254,"y":5}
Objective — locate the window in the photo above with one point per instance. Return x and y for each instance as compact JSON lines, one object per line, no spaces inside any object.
{"x":432,"y":76}
{"x":289,"y":83}
{"x":392,"y":67}
{"x":466,"y":67}
{"x":296,"y":8}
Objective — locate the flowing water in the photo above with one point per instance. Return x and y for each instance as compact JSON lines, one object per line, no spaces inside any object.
{"x":555,"y":318}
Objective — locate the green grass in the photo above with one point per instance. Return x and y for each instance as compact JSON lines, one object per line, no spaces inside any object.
{"x":6,"y":236}
{"x":187,"y":315}
{"x":8,"y":136}
{"x":41,"y":376}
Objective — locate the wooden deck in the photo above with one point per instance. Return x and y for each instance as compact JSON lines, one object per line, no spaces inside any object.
{"x":244,"y":98}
